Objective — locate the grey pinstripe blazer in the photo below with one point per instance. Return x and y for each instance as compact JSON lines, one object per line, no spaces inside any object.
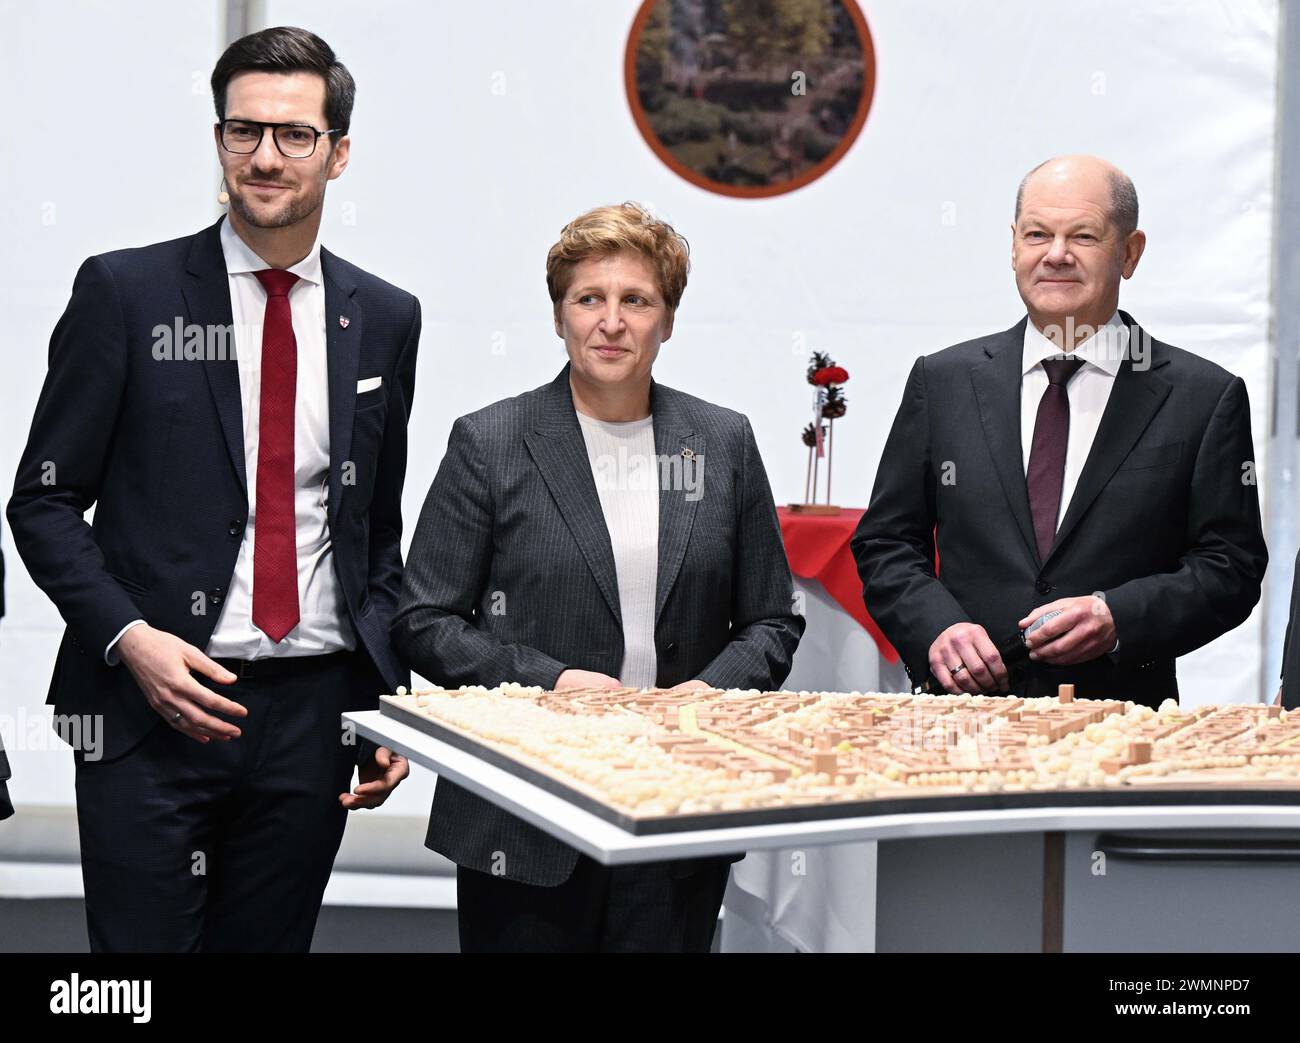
{"x":511,"y":577}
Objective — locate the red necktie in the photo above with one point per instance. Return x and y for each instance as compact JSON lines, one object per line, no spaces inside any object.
{"x":1046,"y":474}
{"x":275,"y":532}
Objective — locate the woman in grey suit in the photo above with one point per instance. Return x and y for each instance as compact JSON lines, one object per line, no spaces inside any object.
{"x":601,"y":530}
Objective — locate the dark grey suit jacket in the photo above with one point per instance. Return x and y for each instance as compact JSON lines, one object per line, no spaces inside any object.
{"x":6,"y":807}
{"x":1291,"y":648}
{"x":1164,"y":518}
{"x":511,"y":577}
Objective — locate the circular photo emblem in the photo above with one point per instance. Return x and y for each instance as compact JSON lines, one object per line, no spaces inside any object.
{"x":750,"y":97}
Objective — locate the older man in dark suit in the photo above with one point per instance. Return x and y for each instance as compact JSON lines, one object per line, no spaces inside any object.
{"x":600,"y":530}
{"x":1072,"y":464}
{"x":232,"y":598}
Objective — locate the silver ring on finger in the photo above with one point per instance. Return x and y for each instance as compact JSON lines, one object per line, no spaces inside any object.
{"x":957,"y":669}
{"x":176,"y":717}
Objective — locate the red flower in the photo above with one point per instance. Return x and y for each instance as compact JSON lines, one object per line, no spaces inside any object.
{"x":830,"y":375}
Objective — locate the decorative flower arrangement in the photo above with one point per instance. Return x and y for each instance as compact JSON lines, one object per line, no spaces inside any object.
{"x":826,"y":376}
{"x":829,"y":404}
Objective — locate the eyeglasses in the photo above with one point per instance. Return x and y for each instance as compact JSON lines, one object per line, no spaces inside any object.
{"x":294,"y":140}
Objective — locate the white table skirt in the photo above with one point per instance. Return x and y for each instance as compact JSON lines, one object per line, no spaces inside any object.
{"x":814,"y":899}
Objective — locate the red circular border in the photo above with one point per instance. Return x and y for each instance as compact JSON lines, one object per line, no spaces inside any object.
{"x":739,"y":191}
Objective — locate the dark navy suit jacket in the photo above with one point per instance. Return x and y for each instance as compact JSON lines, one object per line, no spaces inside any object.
{"x":156,"y":446}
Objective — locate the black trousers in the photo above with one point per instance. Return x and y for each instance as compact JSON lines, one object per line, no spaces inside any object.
{"x":223,"y":846}
{"x":648,"y":907}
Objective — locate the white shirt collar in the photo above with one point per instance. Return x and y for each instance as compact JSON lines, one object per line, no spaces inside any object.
{"x":241,"y":258}
{"x":1105,"y":349}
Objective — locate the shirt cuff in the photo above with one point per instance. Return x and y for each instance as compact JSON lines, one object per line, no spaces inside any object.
{"x":1102,"y":594}
{"x":110,"y":656}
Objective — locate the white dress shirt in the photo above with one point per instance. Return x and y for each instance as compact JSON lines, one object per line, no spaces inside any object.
{"x":1088,"y":392}
{"x":622,"y":456}
{"x":323,"y":624}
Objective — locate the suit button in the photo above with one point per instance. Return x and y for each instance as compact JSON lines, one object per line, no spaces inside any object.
{"x":670,"y":650}
{"x":214,"y":595}
{"x":236,"y":527}
{"x":1043,"y":587}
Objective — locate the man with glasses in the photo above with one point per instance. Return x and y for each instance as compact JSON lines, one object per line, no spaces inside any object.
{"x":234,"y":405}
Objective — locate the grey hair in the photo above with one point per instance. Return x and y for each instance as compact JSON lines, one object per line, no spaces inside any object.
{"x":1123,"y":198}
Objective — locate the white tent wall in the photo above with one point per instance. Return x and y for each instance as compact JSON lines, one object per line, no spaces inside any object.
{"x":481,"y":128}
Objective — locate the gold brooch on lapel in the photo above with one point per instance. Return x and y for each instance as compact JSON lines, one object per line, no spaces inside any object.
{"x":688,"y":453}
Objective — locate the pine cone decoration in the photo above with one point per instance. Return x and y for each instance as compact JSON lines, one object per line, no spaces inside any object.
{"x":809,"y":436}
{"x":820,"y":360}
{"x":836,"y":404}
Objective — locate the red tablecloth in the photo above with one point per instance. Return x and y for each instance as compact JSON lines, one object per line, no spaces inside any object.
{"x":818,"y":548}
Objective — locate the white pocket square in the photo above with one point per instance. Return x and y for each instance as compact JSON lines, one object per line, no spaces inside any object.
{"x":368,"y":384}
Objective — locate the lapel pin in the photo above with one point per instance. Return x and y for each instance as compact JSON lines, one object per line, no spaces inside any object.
{"x":343,"y":321}
{"x":688,"y":453}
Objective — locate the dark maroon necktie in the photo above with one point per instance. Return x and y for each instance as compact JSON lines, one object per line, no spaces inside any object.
{"x":275,"y":532}
{"x":1046,"y":472}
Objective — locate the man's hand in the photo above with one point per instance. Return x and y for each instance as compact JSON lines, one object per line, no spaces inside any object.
{"x":694,"y":685}
{"x":582,"y":679}
{"x":1084,"y":630}
{"x":376,"y":779}
{"x":161,"y":663}
{"x":963,"y":659}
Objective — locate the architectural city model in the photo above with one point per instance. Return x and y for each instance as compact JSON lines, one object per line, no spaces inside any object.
{"x":652,"y":753}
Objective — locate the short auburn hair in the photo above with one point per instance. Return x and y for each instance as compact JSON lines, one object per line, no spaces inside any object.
{"x":612,"y":229}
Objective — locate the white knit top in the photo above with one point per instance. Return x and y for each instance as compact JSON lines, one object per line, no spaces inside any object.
{"x":623,"y":465}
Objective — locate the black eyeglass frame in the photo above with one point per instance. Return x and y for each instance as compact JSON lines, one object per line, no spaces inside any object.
{"x":274,"y":127}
